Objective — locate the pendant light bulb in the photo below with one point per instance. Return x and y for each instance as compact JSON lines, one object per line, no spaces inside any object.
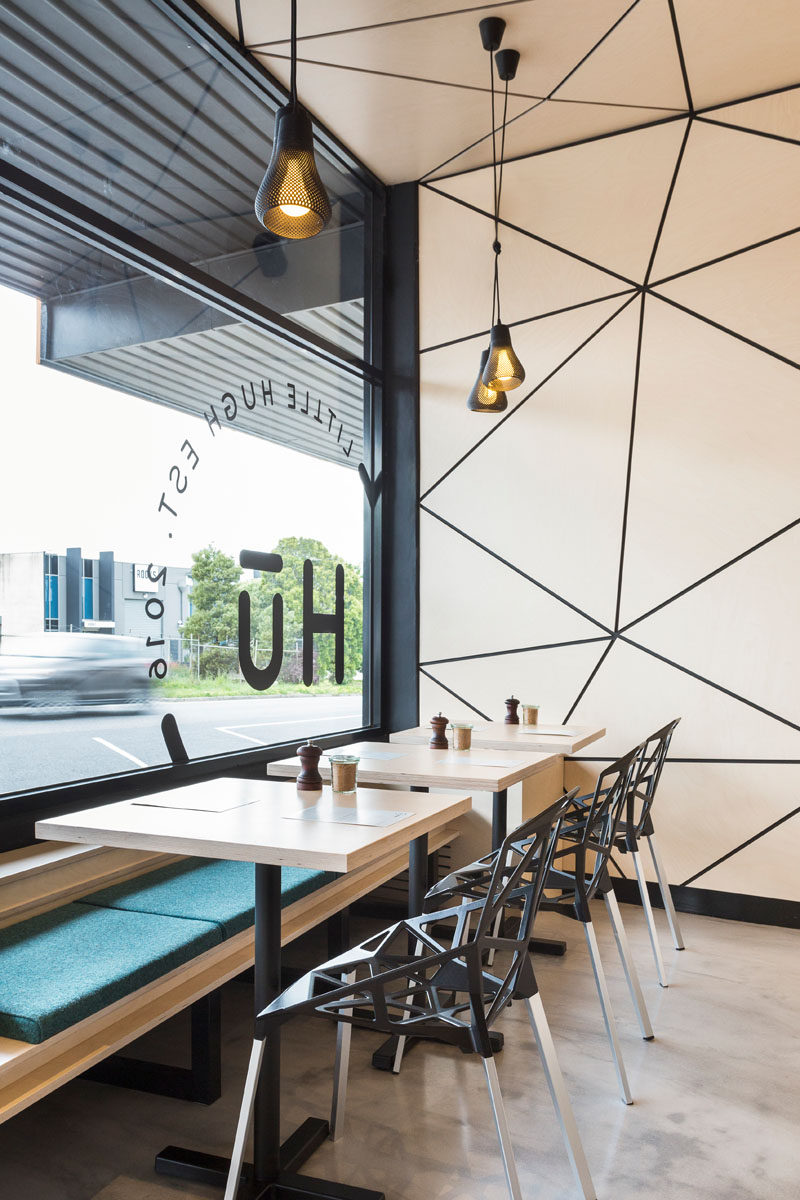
{"x":483,"y":399}
{"x":503,"y":371}
{"x":292,"y":201}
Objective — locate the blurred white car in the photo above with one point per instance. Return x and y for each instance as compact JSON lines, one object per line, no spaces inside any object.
{"x":66,"y":672}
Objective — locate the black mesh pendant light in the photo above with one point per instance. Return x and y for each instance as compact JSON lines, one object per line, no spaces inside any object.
{"x":292,"y":201}
{"x":501,"y":369}
{"x":481,"y":398}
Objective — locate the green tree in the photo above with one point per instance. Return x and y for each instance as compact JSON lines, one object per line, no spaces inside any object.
{"x":289,"y":583}
{"x":215,"y":597}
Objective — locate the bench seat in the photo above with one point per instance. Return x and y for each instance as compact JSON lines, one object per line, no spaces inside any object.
{"x":200,"y":889}
{"x":65,"y":965}
{"x":62,"y":966}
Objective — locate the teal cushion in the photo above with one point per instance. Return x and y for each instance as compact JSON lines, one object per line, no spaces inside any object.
{"x":205,"y":890}
{"x":62,"y":966}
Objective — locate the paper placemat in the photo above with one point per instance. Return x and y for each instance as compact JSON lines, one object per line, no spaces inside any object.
{"x":347,"y":816}
{"x":193,"y":805}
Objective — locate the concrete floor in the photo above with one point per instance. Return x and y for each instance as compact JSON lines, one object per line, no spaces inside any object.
{"x":716,"y":1112}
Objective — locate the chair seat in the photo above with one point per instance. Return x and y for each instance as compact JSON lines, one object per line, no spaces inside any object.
{"x":199,"y":889}
{"x":64,"y":965}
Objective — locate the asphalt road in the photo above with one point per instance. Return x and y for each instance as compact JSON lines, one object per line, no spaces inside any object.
{"x":37,"y":751}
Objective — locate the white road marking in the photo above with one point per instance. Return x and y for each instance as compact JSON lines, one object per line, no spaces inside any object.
{"x":124,"y":753}
{"x":231,"y":729}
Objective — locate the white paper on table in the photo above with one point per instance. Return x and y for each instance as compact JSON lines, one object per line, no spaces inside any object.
{"x":212,"y":804}
{"x":548,"y":730}
{"x":479,"y":760}
{"x":347,"y":816}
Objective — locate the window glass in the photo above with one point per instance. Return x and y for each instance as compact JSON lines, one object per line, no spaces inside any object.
{"x":164,"y":459}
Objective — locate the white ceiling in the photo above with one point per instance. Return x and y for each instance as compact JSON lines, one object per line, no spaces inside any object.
{"x":404,"y":83}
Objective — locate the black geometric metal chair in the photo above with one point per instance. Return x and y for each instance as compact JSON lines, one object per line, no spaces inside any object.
{"x":581,"y":870}
{"x":441,"y":992}
{"x":638,"y":825}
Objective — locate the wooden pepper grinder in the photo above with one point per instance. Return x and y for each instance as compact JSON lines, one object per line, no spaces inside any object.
{"x":512,"y":717}
{"x":439,"y":740}
{"x":309,"y":779}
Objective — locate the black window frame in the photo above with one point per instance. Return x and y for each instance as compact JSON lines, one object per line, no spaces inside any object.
{"x":391,"y":451}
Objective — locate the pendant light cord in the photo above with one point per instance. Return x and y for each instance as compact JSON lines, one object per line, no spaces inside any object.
{"x":498,"y":194}
{"x":495,"y":288}
{"x":293,"y":85}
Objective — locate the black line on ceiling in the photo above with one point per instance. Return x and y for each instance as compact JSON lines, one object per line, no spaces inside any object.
{"x":775,"y":237}
{"x":717,"y":570}
{"x":554,"y":312}
{"x":517,"y":570}
{"x":681,"y":59}
{"x":709,"y":683}
{"x":585,"y":141}
{"x":239,"y":23}
{"x":464,"y":87}
{"x":439,"y":683}
{"x":582,"y":692}
{"x":518,"y":406}
{"x":629,"y":466}
{"x":595,"y":47}
{"x":454,"y":12}
{"x":483,"y":138}
{"x":778,"y":91}
{"x":723,"y":858}
{"x":724,"y":329}
{"x":435,"y":662}
{"x":667,"y":202}
{"x":775,"y":137}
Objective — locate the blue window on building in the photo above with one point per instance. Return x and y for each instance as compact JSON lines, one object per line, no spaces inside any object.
{"x":88,"y":589}
{"x":51,"y":591}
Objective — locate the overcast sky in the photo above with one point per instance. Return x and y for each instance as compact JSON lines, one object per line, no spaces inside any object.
{"x":82,"y":465}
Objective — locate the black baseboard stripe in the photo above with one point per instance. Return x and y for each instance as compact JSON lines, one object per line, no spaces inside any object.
{"x":731,"y":906}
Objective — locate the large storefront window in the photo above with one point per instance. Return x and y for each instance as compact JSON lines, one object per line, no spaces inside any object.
{"x":185,"y":526}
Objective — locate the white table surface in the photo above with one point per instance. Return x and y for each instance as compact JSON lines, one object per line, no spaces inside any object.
{"x":258,"y":829}
{"x":419,"y":766}
{"x":496,"y":735}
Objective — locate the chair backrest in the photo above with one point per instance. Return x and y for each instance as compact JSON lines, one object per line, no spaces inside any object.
{"x":591,"y":829}
{"x":173,"y":740}
{"x":654,"y":754}
{"x":517,"y":878}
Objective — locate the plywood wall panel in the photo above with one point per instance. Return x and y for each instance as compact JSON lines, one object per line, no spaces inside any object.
{"x":768,"y":867}
{"x":738,"y":48}
{"x":603,"y":200}
{"x":714,"y":467}
{"x":447,"y":376}
{"x":778,"y":115}
{"x":456,"y":272}
{"x":544,"y":499}
{"x":636,"y":64}
{"x":634,"y":693}
{"x":733,"y":190}
{"x":756,"y":294}
{"x":475,"y":602}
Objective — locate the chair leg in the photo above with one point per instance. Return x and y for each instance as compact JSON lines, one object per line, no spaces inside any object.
{"x":648,"y":913}
{"x":629,"y":967}
{"x":560,"y":1096}
{"x":401,"y":1041}
{"x":504,"y":1137}
{"x":245,"y":1117}
{"x":666,"y":895}
{"x":608,"y":1012}
{"x":341,"y":1068}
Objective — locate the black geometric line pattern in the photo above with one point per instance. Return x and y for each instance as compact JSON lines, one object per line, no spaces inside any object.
{"x":646,"y":290}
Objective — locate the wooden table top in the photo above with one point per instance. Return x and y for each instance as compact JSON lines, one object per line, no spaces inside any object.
{"x":495,"y":735}
{"x":256,"y":824}
{"x":419,"y":766}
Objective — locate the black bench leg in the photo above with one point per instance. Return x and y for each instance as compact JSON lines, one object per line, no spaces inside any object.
{"x":201,"y":1082}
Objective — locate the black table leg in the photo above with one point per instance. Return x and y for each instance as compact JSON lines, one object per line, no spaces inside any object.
{"x":499,"y":829}
{"x":272,"y":1174}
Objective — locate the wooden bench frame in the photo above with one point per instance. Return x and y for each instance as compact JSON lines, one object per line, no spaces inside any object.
{"x":29,"y":1071}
